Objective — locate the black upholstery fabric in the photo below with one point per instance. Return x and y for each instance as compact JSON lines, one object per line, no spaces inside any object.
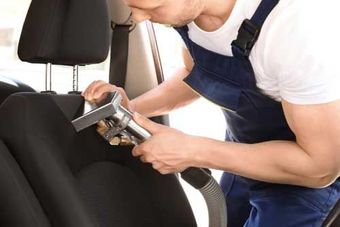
{"x":18,"y":204}
{"x":111,"y":188}
{"x":54,"y":32}
{"x":9,"y":86}
{"x":78,"y":178}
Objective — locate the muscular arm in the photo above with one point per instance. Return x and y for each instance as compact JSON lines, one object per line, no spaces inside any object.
{"x":313,"y":161}
{"x":171,"y":94}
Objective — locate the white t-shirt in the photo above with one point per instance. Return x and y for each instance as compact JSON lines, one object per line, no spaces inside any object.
{"x":296,"y":57}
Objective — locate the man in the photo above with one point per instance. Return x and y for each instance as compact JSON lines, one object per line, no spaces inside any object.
{"x":279,"y":91}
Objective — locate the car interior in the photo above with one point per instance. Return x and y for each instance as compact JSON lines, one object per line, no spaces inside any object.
{"x":52,"y":175}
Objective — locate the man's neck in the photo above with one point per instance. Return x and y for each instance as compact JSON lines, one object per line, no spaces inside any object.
{"x":214,"y":14}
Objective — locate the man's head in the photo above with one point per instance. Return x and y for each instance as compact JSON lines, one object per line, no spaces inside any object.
{"x":173,"y":12}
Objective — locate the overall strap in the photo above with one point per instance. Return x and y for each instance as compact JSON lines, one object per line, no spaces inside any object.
{"x":250,"y":29}
{"x":184,"y":33}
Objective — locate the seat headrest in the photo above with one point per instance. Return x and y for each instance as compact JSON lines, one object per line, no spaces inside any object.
{"x":66,"y":32}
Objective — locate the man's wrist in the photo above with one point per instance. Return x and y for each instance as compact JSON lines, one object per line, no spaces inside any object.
{"x":132,"y":106}
{"x":198,"y":151}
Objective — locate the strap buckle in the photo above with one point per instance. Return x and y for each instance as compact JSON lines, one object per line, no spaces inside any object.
{"x":247,"y":37}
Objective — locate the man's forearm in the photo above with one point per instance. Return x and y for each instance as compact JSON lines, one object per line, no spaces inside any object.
{"x":168,"y":96}
{"x":282,"y":162}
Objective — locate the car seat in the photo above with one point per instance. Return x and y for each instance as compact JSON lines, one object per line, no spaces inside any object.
{"x":49,"y":174}
{"x":52,"y":176}
{"x":9,"y":86}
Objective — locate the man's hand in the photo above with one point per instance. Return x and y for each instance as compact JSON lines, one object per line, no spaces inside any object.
{"x":98,"y":90}
{"x":168,"y":150}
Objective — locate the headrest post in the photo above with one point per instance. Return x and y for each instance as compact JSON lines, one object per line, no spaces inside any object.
{"x":75,"y":78}
{"x":48,"y":77}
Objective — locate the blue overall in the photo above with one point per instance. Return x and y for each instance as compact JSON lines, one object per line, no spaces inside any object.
{"x":253,"y":117}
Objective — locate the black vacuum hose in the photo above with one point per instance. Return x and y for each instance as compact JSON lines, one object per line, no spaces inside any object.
{"x":202,"y":180}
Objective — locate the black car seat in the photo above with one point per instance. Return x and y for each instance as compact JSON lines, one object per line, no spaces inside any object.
{"x":77,"y":178}
{"x":9,"y":86}
{"x":49,"y":174}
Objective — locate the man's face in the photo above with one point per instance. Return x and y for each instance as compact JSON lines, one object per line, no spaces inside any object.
{"x":173,"y":12}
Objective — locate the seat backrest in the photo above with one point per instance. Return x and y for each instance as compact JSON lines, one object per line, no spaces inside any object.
{"x":9,"y":86}
{"x":18,"y":204}
{"x":78,"y":179}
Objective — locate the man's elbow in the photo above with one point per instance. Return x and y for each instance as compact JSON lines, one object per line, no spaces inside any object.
{"x":325,"y":181}
{"x":326,"y":177}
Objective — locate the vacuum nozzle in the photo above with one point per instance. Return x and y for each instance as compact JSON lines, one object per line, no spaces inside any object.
{"x":117,"y":119}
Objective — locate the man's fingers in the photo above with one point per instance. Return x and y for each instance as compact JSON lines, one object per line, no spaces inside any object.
{"x":97,"y":91}
{"x":144,"y":122}
{"x":91,"y":87}
{"x":157,"y":165}
{"x":136,"y":151}
{"x":102,"y":90}
{"x":142,"y":158}
{"x":88,"y":93}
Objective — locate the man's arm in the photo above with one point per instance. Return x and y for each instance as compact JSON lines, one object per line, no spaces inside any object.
{"x":169,"y":95}
{"x":313,"y":161}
